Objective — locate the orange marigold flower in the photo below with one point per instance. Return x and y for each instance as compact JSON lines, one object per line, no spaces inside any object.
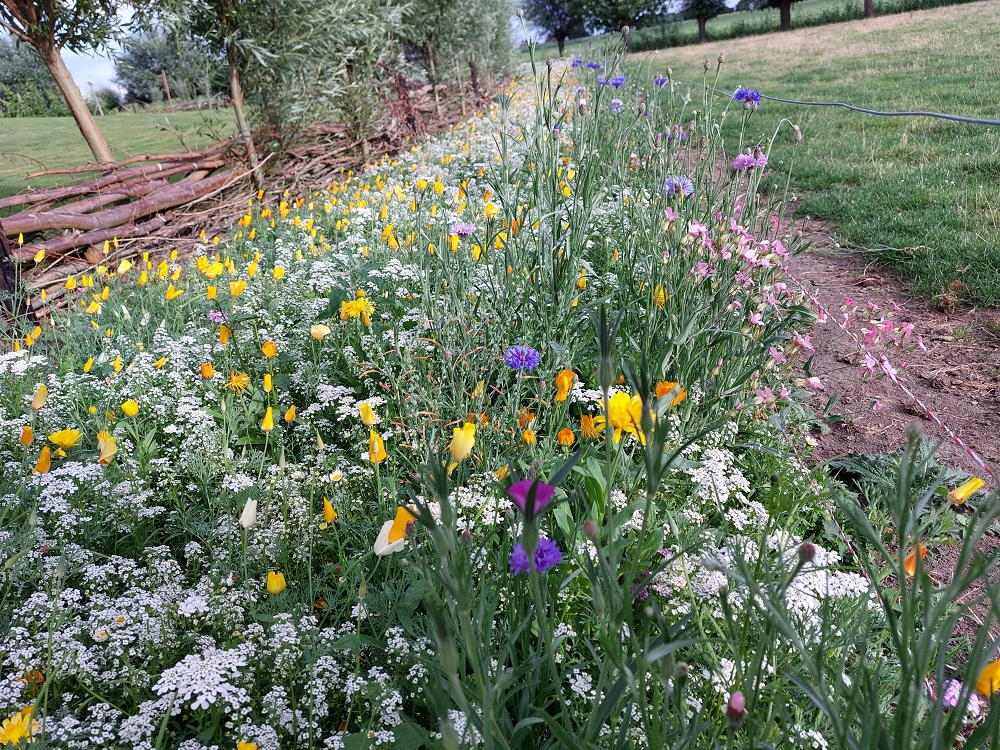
{"x":564,"y":382}
{"x":566,"y":436}
{"x":664,"y":387}
{"x":269,"y":349}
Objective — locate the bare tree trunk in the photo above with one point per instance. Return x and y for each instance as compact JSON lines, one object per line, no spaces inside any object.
{"x":77,"y":106}
{"x":236,"y":95}
{"x":461,"y":84}
{"x":702,"y":36}
{"x":474,"y":71}
{"x":786,"y":15}
{"x":561,"y":43}
{"x":869,"y":9}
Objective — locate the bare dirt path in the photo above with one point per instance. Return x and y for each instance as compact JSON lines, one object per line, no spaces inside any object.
{"x":957,"y":377}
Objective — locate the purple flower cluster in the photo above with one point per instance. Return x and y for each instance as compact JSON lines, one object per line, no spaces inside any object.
{"x":749,"y":161}
{"x":462,"y":229}
{"x":678,"y":185}
{"x":747,"y":96}
{"x":217,"y":316}
{"x":547,"y":555}
{"x":659,"y":81}
{"x":618,"y":81}
{"x":522,"y":358}
{"x":595,"y":66}
{"x":616,"y":105}
{"x":577,"y":62}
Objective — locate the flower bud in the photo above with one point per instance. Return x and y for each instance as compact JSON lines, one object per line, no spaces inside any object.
{"x":708,"y":63}
{"x":736,"y":708}
{"x":590,"y":530}
{"x":722,"y":57}
{"x":807,"y":551}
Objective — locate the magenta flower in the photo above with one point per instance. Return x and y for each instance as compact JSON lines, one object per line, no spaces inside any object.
{"x":520,"y":491}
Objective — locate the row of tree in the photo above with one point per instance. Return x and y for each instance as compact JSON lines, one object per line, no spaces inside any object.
{"x":567,"y":19}
{"x":283,"y":65}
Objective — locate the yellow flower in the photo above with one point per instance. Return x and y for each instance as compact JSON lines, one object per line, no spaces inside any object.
{"x":267,"y":424}
{"x":989,"y":679}
{"x":502,"y":472}
{"x":158,"y":364}
{"x":320,"y":331}
{"x":27,"y":435}
{"x":490,"y":211}
{"x":528,"y":436}
{"x":172,"y":293}
{"x":358,"y":308}
{"x":666,"y":386}
{"x":236,"y":288}
{"x":40,"y":397}
{"x":960,"y":494}
{"x":582,"y":281}
{"x":566,"y":436}
{"x":660,"y":296}
{"x":224,"y":333}
{"x":207,"y":371}
{"x":108,"y":447}
{"x":269,"y":349}
{"x":245,"y":746}
{"x":18,"y":727}
{"x":367,"y":414}
{"x":278,"y":272}
{"x":564,"y":381}
{"x":66,"y":439}
{"x":130,"y":408}
{"x":275,"y":582}
{"x":290,"y":414}
{"x":376,"y":447}
{"x":462,"y":440}
{"x":211,"y":292}
{"x":624,"y":415}
{"x":44,"y":461}
{"x":392,"y":536}
{"x":239,"y":382}
{"x":329,"y":514}
{"x":88,"y":364}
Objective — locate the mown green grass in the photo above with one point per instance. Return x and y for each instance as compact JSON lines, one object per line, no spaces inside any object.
{"x":33,"y":144}
{"x":922,"y":194}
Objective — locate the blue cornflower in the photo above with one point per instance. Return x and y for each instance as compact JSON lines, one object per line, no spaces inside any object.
{"x":522,"y":358}
{"x":595,"y":66}
{"x":616,"y":105}
{"x":576,"y":63}
{"x":547,"y":555}
{"x":747,"y":96}
{"x":678,"y":185}
{"x":659,"y":81}
{"x":618,"y":81}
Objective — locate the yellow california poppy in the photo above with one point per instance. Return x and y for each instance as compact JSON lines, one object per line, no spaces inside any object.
{"x":376,"y":447}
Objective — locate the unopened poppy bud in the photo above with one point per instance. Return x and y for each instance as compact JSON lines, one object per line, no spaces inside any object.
{"x":682,"y":669}
{"x":411,"y":528}
{"x":736,"y":708}
{"x":549,"y":62}
{"x":590,"y":530}
{"x":807,"y":551}
{"x":466,"y":538}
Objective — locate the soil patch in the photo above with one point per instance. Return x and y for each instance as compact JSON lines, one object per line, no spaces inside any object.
{"x":957,"y":377}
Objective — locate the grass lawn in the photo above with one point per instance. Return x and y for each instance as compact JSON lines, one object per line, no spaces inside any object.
{"x":922,"y":194}
{"x":32,"y":144}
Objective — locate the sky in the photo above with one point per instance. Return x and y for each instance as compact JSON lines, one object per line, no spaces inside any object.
{"x":87,"y":69}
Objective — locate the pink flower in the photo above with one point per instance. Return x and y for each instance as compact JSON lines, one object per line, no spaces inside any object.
{"x":815,"y":384}
{"x":878,"y":406}
{"x":670,"y":214}
{"x":869,"y":365}
{"x":804,"y":341}
{"x":777,"y":356}
{"x":756,"y":319}
{"x":849,"y":301}
{"x":888,"y":369}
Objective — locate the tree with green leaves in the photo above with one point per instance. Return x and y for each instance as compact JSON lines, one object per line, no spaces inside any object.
{"x":784,"y":10}
{"x":612,"y":15}
{"x":156,"y":61}
{"x":703,"y":11}
{"x":26,"y":88}
{"x":50,"y":26}
{"x":562,"y":19}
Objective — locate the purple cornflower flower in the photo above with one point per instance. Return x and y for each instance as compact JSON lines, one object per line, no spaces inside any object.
{"x":547,"y":555}
{"x":595,"y":66}
{"x":601,"y":79}
{"x":522,"y":358}
{"x":760,"y":156}
{"x":678,"y":185}
{"x":747,"y":96}
{"x":616,"y":105}
{"x":577,"y":62}
{"x":659,"y":81}
{"x":618,"y":81}
{"x":744,"y":161}
{"x":462,"y":228}
{"x":217,"y":316}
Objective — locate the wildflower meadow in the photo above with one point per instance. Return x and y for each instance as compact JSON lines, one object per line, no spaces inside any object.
{"x":501,"y":442}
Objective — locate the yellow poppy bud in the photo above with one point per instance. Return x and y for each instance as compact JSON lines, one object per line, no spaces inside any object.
{"x":275,"y":582}
{"x":490,"y":211}
{"x":211,"y":292}
{"x":88,"y":364}
{"x":960,"y":494}
{"x":172,"y":293}
{"x":40,"y":397}
{"x":224,"y":333}
{"x":44,"y":461}
{"x":27,"y":435}
{"x":320,"y":331}
{"x":108,"y":447}
{"x":564,"y":382}
{"x":290,"y":414}
{"x":376,"y":447}
{"x":367,"y":414}
{"x":268,"y":383}
{"x":130,"y":408}
{"x":236,"y":288}
{"x":267,"y":424}
{"x":329,"y":514}
{"x":462,"y":440}
{"x":277,"y":273}
{"x":207,"y":371}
